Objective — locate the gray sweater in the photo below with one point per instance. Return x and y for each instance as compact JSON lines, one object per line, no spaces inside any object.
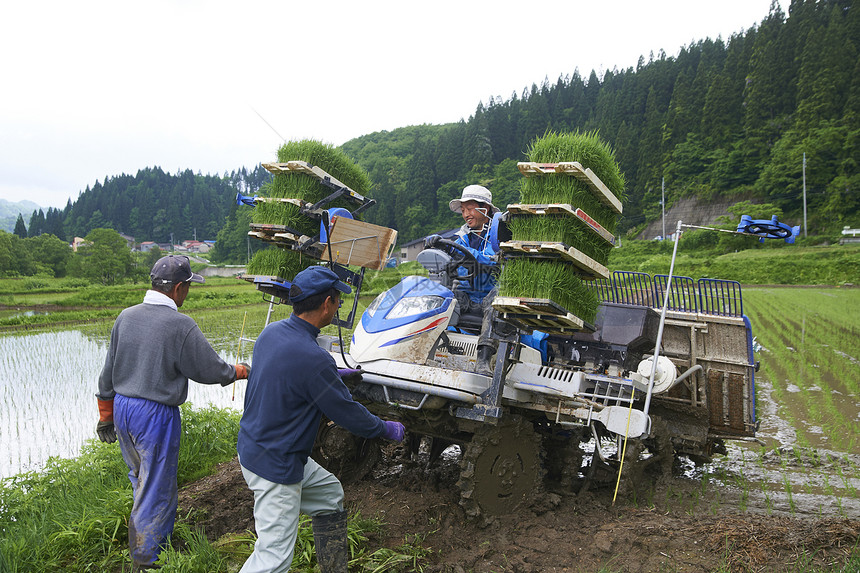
{"x":153,"y":352}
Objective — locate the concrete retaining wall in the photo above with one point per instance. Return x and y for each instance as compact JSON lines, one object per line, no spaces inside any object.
{"x":690,"y":211}
{"x":228,"y":271}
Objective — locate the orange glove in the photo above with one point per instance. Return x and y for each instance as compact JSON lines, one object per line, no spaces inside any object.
{"x":105,"y":428}
{"x":243,"y":370}
{"x":105,"y":410}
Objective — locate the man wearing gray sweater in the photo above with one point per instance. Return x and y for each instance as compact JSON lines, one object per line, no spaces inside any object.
{"x":153,"y":352}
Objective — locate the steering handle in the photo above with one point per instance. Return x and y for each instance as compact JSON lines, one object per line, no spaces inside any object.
{"x":460,"y":257}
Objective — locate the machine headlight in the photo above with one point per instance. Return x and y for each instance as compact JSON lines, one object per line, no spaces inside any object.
{"x":375,"y":304}
{"x":415,"y":305}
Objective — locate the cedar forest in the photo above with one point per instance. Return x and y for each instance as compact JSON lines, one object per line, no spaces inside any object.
{"x":724,"y":119}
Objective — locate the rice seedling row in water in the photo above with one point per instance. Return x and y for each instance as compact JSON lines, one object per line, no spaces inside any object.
{"x":796,"y":358}
{"x":811,"y":342}
{"x":559,"y":229}
{"x":546,"y":279}
{"x":788,"y":374}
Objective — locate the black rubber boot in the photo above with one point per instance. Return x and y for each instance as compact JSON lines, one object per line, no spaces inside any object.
{"x":331,"y":542}
{"x":483,"y":365}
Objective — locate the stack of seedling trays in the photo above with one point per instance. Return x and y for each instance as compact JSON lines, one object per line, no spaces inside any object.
{"x":313,"y":183}
{"x":562,"y":232}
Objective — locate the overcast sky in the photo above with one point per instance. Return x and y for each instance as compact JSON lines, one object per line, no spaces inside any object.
{"x":95,"y":89}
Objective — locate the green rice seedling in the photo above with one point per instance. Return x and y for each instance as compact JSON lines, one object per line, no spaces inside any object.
{"x":768,"y":502}
{"x":559,"y":229}
{"x":788,"y":490}
{"x":591,"y":152}
{"x":568,"y":190}
{"x":548,"y":279}
{"x":278,"y":262}
{"x":331,"y":159}
{"x":307,"y":188}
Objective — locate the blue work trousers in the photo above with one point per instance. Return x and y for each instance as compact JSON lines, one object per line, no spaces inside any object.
{"x":148,"y":434}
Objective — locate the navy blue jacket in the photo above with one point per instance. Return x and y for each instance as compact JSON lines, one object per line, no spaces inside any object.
{"x":293,"y":383}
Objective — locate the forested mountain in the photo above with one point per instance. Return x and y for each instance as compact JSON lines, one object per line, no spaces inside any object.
{"x":151,"y":205}
{"x":721,"y":119}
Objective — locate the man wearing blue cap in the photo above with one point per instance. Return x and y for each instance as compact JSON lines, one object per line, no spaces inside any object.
{"x":153,"y":352}
{"x":293,"y":384}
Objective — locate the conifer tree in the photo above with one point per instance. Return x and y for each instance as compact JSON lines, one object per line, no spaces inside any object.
{"x":20,"y":228}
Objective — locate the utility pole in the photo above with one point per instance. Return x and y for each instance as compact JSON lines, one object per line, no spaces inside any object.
{"x":804,"y":194}
{"x":663,"y":204}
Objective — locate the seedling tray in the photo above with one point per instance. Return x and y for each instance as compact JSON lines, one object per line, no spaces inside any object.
{"x":587,"y":267}
{"x":564,"y":209}
{"x":573,"y":169}
{"x":539,"y":314}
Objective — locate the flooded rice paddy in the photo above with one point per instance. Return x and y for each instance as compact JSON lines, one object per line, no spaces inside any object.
{"x":50,"y":378}
{"x":808,"y":406}
{"x":806,"y":459}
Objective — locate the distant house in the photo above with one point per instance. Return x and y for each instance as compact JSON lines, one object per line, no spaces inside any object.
{"x":77,"y":242}
{"x":164,"y":247}
{"x":128,"y":239}
{"x":196,"y":246}
{"x":147,"y":246}
{"x":409,"y":251}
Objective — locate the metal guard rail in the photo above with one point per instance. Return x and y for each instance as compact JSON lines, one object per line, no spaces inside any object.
{"x":707,"y":296}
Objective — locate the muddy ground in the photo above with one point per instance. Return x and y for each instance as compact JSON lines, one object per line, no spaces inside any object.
{"x":674,"y":526}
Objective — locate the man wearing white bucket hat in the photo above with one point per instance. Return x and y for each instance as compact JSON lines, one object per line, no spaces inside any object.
{"x":476,"y":295}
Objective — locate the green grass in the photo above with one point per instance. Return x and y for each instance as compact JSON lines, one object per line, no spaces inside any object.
{"x":779,"y":263}
{"x":73,"y":515}
{"x":93,"y":303}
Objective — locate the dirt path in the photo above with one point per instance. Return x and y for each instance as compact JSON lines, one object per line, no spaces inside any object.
{"x":571,"y":533}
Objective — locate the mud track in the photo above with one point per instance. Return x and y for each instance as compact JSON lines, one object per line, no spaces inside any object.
{"x":674,"y":529}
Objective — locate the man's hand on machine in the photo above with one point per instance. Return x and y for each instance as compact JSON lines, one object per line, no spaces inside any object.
{"x":431,"y":241}
{"x":393,"y":431}
{"x":350,"y":375}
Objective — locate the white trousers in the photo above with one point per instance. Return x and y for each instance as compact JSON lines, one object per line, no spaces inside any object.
{"x":276,"y":514}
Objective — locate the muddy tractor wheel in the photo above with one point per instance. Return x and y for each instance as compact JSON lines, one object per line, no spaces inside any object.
{"x":649,"y":461}
{"x":563,"y":459}
{"x":501,"y":468}
{"x":344,"y":454}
